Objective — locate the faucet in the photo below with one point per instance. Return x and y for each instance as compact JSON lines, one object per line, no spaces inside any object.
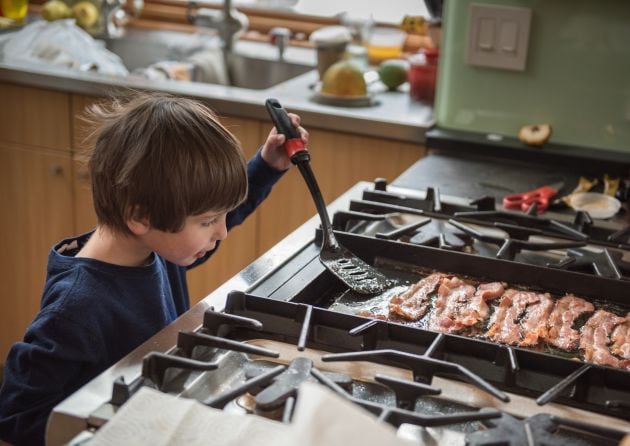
{"x":280,"y":37}
{"x":229,"y":22}
{"x":115,"y":17}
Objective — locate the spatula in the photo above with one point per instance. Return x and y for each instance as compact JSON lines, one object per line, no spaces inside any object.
{"x":354,"y":272}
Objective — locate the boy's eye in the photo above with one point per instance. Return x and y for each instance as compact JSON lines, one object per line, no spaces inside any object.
{"x":209,"y":222}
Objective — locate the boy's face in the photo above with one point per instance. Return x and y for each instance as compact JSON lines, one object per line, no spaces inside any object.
{"x":200,"y":235}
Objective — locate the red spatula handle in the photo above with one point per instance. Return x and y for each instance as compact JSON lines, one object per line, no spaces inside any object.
{"x":294,"y":146}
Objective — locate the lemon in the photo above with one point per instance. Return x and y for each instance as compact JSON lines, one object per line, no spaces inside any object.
{"x":55,"y":10}
{"x":344,"y":79}
{"x":85,"y":13}
{"x":393,"y":72}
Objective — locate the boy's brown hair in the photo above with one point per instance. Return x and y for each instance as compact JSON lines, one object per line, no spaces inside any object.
{"x":162,"y":158}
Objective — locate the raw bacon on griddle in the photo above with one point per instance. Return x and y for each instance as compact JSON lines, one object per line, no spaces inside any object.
{"x":477,"y":309}
{"x":368,"y":313}
{"x":561,"y":332}
{"x":621,"y":339}
{"x":534,"y":324}
{"x":504,"y":324}
{"x":453,"y":295}
{"x":414,"y":303}
{"x":596,"y":336}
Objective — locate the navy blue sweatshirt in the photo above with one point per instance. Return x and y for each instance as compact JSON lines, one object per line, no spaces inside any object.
{"x":92,"y":314}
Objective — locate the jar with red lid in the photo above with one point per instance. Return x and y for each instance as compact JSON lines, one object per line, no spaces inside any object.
{"x":422,"y":74}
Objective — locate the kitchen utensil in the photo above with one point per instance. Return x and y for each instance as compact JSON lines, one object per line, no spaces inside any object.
{"x":597,"y":205}
{"x":354,"y":272}
{"x":541,"y":196}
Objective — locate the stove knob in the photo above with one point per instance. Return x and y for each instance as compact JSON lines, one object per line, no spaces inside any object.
{"x":380,"y":184}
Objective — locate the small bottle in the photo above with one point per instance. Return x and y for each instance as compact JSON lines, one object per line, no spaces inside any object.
{"x":423,"y":74}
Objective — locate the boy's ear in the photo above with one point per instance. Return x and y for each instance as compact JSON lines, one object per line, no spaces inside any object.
{"x":138,"y":225}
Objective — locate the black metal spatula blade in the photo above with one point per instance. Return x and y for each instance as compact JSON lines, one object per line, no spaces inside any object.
{"x":354,"y":272}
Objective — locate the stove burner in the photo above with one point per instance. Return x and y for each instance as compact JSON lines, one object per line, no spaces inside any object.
{"x":431,"y":202}
{"x":620,"y":236}
{"x":583,"y":222}
{"x":605,"y":263}
{"x":438,"y":234}
{"x":543,"y":225}
{"x":541,"y":429}
{"x":517,"y":240}
{"x":286,"y":384}
{"x":342,"y":220}
{"x":155,"y":365}
{"x":424,"y":366}
{"x":428,"y":232}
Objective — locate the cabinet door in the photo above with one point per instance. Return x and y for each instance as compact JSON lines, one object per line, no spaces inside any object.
{"x":37,"y":212}
{"x":34,"y":117}
{"x":339,"y":161}
{"x":239,"y":249}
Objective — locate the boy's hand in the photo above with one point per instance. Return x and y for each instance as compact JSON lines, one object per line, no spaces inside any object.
{"x":273,"y":151}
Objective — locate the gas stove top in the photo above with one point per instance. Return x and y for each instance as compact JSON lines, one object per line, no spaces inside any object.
{"x":571,"y":240}
{"x":252,"y":357}
{"x":284,"y":320}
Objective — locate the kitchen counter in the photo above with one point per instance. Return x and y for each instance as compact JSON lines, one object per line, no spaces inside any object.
{"x":394,"y":115}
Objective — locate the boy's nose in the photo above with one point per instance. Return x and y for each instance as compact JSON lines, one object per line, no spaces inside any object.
{"x":221,"y":231}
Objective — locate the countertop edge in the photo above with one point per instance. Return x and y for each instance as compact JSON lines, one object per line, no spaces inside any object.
{"x":395,"y":117}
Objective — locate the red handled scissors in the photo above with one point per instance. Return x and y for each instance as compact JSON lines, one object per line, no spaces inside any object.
{"x":540,"y":196}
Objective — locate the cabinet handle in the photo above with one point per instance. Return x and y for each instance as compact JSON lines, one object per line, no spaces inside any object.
{"x":55,"y":170}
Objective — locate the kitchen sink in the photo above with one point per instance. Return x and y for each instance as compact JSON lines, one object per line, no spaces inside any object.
{"x":253,"y":65}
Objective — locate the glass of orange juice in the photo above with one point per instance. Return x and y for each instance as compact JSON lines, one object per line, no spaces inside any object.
{"x":385,"y":43}
{"x":14,"y":9}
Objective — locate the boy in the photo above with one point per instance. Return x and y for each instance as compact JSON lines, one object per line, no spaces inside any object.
{"x":168,"y":181}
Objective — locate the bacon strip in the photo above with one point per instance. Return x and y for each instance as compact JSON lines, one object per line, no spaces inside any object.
{"x":534,"y":324}
{"x":453,"y":293}
{"x":414,"y":303}
{"x":595,"y":338}
{"x":561,"y":332}
{"x":621,"y":339}
{"x":368,"y":313}
{"x":477,"y":309}
{"x":504,"y":324}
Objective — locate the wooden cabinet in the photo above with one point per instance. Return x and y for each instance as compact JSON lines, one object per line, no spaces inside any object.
{"x":36,"y":199}
{"x":35,"y":117}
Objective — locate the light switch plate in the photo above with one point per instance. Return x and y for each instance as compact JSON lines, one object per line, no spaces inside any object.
{"x":498,"y":36}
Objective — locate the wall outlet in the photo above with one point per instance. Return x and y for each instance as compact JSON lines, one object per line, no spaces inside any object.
{"x":498,"y":36}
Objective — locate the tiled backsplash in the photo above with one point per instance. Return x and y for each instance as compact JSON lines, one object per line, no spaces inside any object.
{"x":577,"y":76}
